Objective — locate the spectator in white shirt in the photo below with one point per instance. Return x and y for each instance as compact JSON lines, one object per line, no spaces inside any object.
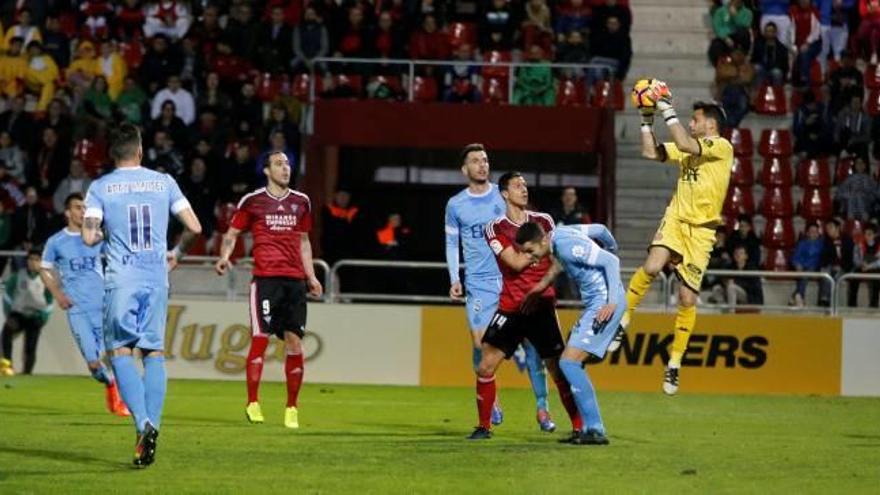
{"x":185,"y":106}
{"x":76,"y":182}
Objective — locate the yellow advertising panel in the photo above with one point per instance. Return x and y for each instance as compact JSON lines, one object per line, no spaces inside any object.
{"x":741,"y":353}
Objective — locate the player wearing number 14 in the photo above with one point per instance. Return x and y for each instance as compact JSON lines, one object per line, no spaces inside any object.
{"x":135,"y":205}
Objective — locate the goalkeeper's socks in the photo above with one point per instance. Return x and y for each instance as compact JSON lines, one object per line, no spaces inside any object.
{"x":294,"y":369}
{"x":155,"y":384}
{"x":131,"y":388}
{"x":254,"y":367}
{"x":537,"y":375}
{"x":486,"y":395}
{"x":584,"y":394}
{"x":564,"y":389}
{"x":476,"y":357}
{"x":101,"y":375}
{"x":685,"y":320}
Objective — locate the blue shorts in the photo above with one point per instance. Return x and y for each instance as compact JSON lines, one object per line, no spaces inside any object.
{"x":481,"y":301}
{"x":592,"y":338}
{"x":135,"y":317}
{"x":87,"y":329}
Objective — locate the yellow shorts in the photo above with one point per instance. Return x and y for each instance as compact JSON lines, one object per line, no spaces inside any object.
{"x":690,"y":245}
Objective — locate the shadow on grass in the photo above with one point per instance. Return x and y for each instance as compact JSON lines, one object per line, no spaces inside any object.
{"x":59,"y":455}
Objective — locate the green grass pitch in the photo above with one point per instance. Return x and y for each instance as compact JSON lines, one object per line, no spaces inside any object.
{"x":55,"y":437}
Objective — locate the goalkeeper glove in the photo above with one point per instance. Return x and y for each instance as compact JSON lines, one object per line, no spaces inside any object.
{"x":664,"y":102}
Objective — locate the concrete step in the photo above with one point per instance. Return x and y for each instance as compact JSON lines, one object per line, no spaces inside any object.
{"x":675,"y":70}
{"x":679,"y":42}
{"x":649,"y":175}
{"x":668,"y":17}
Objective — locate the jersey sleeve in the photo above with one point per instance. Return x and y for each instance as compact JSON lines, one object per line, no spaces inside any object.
{"x":715,"y":148}
{"x":242,"y":217}
{"x":94,"y":202}
{"x":305,"y":223}
{"x":498,"y":242}
{"x":176,"y":198}
{"x":599,"y":232}
{"x":50,"y":255}
{"x":671,"y":154}
{"x":452,"y":231}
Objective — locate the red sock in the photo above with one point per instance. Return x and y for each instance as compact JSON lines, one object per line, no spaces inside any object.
{"x":254,"y":367}
{"x":486,"y":396}
{"x":294,"y":369}
{"x":568,"y":402}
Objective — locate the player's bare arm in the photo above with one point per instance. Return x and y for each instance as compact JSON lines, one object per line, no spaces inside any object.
{"x":315,"y":288}
{"x":227,"y":245}
{"x":514,"y":259}
{"x":535,"y":292}
{"x":51,"y":281}
{"x":91,"y":231}
{"x":192,"y":230}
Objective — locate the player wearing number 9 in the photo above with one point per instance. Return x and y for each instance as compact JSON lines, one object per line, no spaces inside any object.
{"x":135,"y":204}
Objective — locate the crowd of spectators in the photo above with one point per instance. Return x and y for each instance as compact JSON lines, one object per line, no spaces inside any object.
{"x":193,"y":75}
{"x":825,"y":51}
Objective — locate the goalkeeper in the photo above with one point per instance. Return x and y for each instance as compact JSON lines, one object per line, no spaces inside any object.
{"x":687,"y":231}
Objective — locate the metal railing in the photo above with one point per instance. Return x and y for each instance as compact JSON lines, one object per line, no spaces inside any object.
{"x":844,"y":280}
{"x":732,"y":305}
{"x":410,"y":68}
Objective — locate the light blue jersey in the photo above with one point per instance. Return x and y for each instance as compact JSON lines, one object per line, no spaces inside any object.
{"x":596,"y":271}
{"x":82,"y":280}
{"x":466,"y":217}
{"x":135,"y":205}
{"x":79,"y":265}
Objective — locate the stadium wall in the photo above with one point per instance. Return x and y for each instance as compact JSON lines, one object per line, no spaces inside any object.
{"x":412,"y":345}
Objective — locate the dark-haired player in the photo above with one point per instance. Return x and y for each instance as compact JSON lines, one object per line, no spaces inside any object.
{"x":687,"y":231}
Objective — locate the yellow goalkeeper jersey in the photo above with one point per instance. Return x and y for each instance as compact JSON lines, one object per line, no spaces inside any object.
{"x":702,"y":181}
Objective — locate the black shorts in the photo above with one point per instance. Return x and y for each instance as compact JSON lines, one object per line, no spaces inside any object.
{"x":507,"y":331}
{"x":278,"y":305}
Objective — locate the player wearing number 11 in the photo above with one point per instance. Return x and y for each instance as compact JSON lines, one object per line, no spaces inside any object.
{"x":134,"y":204}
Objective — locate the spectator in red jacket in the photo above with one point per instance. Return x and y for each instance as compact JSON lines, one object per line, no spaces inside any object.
{"x":355,"y":41}
{"x":807,"y":39}
{"x":429,"y":43}
{"x":868,"y":35}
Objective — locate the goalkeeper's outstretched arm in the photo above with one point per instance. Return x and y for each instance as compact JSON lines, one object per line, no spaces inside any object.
{"x":649,"y":141}
{"x":680,"y":136}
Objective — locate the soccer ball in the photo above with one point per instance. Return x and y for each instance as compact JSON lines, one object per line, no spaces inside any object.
{"x":643,"y":94}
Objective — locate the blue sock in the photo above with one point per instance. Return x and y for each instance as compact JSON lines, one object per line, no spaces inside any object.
{"x":584,"y":394}
{"x":155,"y":382}
{"x":477,"y":356}
{"x":131,"y":388}
{"x":101,"y":375}
{"x":537,"y":375}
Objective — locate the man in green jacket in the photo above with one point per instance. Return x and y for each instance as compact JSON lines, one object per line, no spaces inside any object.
{"x":731,"y":24}
{"x":27,"y":304}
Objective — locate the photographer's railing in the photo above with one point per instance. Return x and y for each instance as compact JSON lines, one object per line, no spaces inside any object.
{"x":327,"y":64}
{"x":844,"y":281}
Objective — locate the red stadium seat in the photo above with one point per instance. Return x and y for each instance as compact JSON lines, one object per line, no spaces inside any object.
{"x":872,"y":106}
{"x":776,"y":172}
{"x":872,"y":77}
{"x":844,"y":169}
{"x":268,"y":87}
{"x":132,"y":52}
{"x":770,"y":100}
{"x":854,"y":228}
{"x":424,"y":89}
{"x":775,"y":142}
{"x":816,"y":204}
{"x":607,"y":94}
{"x":777,"y":260}
{"x":779,"y":233}
{"x":495,"y":90}
{"x":571,"y":93}
{"x":814,"y":172}
{"x":742,"y":174}
{"x":777,"y":202}
{"x":496,"y":71}
{"x":355,"y":82}
{"x":739,"y":200}
{"x":92,"y":154}
{"x":300,"y":89}
{"x":461,"y":33}
{"x":741,"y":139}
